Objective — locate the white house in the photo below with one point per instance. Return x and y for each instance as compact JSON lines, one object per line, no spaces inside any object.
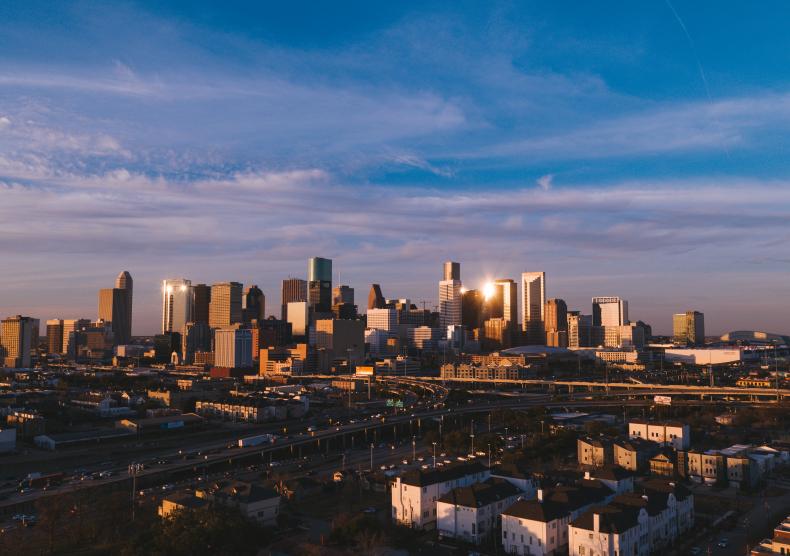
{"x":540,"y":527}
{"x":519,"y":477}
{"x":616,"y":478}
{"x":666,"y":433}
{"x":609,"y":530}
{"x":415,"y":493}
{"x":471,"y":513}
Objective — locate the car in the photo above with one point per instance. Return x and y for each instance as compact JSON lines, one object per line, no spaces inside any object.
{"x":420,"y":459}
{"x":383,"y":467}
{"x":370,"y":510}
{"x":695,"y":551}
{"x":405,"y":462}
{"x":723,"y":543}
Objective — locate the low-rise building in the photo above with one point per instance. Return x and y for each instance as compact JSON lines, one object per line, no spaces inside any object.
{"x":616,"y":478}
{"x":471,"y":513}
{"x":634,"y":454}
{"x":255,"y":502}
{"x":779,"y":544}
{"x":665,"y":433}
{"x":610,"y":530}
{"x":415,"y":493}
{"x":664,"y":463}
{"x":180,"y":501}
{"x":594,"y":452}
{"x":519,"y":476}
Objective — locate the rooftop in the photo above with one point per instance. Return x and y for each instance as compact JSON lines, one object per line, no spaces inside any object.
{"x":480,"y":494}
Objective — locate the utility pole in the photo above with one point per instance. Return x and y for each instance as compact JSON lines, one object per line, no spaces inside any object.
{"x":434,"y":454}
{"x":134,"y":469}
{"x":413,"y":449}
{"x":371,"y":457}
{"x":489,"y":455}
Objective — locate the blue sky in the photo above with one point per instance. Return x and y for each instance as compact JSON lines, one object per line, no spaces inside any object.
{"x":633,"y":149}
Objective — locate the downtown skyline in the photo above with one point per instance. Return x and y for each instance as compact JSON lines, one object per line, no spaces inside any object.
{"x":620,"y":154}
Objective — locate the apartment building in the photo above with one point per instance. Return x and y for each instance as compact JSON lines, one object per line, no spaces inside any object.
{"x":666,"y":433}
{"x":594,"y":452}
{"x":609,"y":530}
{"x":634,"y":454}
{"x":415,"y":493}
{"x":470,"y":513}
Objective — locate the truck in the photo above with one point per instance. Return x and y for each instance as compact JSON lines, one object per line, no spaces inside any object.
{"x":662,"y":400}
{"x":38,"y":480}
{"x":257,"y":440}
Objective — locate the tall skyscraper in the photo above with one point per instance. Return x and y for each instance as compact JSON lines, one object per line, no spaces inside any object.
{"x":450,"y":296}
{"x":202,"y":297}
{"x":297,"y":315}
{"x":55,"y":336}
{"x":342,"y":294}
{"x":233,"y":347}
{"x":533,"y":307}
{"x":556,"y":323}
{"x":253,"y":304}
{"x":113,"y":304}
{"x":16,"y":334}
{"x":225,"y":306}
{"x":376,"y":298}
{"x":579,"y":330}
{"x":71,"y":327}
{"x":688,"y":328}
{"x":178,"y":304}
{"x":293,"y":289}
{"x":472,"y":309}
{"x":123,"y":331}
{"x":319,"y":278}
{"x":609,"y":311}
{"x":507,"y":289}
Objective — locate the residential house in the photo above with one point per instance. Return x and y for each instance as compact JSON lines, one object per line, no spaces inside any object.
{"x":471,"y":513}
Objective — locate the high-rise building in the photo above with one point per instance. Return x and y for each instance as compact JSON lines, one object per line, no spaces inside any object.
{"x":342,"y":294}
{"x":225,"y":305}
{"x":556,"y":323}
{"x":293,"y":289}
{"x":383,"y":319}
{"x":16,"y":334}
{"x":472,"y":309}
{"x":452,"y":270}
{"x":533,"y":307}
{"x":123,"y":330}
{"x":70,"y":328}
{"x":253,"y":304}
{"x":178,"y":304}
{"x":297,"y":315}
{"x":579,"y":330}
{"x":233,"y":347}
{"x":688,"y":328}
{"x":376,"y":298}
{"x":343,"y":339}
{"x":55,"y":336}
{"x":195,"y":337}
{"x":319,"y":284}
{"x":609,"y":311}
{"x":113,"y":304}
{"x":202,"y":297}
{"x":450,"y":295}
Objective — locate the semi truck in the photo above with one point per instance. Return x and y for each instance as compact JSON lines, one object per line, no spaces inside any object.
{"x":38,"y":480}
{"x":257,"y":440}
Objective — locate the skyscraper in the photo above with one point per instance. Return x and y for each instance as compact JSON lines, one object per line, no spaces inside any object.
{"x":123,"y":331}
{"x":342,"y":294}
{"x":580,"y":330}
{"x":178,"y":303}
{"x":253,"y":304}
{"x":225,"y":305}
{"x":472,"y":309}
{"x":319,"y":278}
{"x":70,"y":328}
{"x":113,"y":304}
{"x":556,"y":323}
{"x":293,"y":289}
{"x":688,"y":328}
{"x":450,"y":296}
{"x":609,"y":311}
{"x":55,"y":336}
{"x":202,"y":296}
{"x":16,"y":334}
{"x":533,"y":303}
{"x":376,"y":298}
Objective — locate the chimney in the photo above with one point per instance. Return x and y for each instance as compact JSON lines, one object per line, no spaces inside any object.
{"x":587,"y":475}
{"x":540,"y":495}
{"x":596,"y":521}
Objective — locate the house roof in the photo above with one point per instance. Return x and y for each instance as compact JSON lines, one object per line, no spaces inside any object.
{"x":186,"y":500}
{"x":656,"y":486}
{"x":636,"y":444}
{"x":242,"y":492}
{"x":611,"y":473}
{"x":480,"y":494}
{"x":612,"y":519}
{"x":560,"y":501}
{"x":425,"y":477}
{"x":654,"y":504}
{"x":513,"y":470}
{"x":535,"y":510}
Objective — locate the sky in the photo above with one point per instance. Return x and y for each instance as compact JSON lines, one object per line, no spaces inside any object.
{"x":637,"y":149}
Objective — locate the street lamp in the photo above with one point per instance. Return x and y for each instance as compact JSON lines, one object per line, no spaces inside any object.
{"x":134,"y":469}
{"x":489,"y":455}
{"x":371,"y":457}
{"x":434,"y":454}
{"x":413,"y":449}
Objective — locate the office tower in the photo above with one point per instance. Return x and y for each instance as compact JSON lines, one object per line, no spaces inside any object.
{"x":165,"y":345}
{"x":579,"y":330}
{"x":472,"y":309}
{"x":376,"y":298}
{"x":273,"y":332}
{"x":297,"y":315}
{"x":225,"y":306}
{"x":452,"y":270}
{"x":508,"y":292}
{"x":55,"y":336}
{"x":113,"y":304}
{"x":342,"y":294}
{"x":195,"y":337}
{"x":178,"y":304}
{"x":609,"y":311}
{"x":71,"y":327}
{"x":632,"y":335}
{"x":293,"y":289}
{"x":343,"y":339}
{"x":497,"y":334}
{"x":233,"y":347}
{"x":202,"y":296}
{"x":319,"y":279}
{"x":253,"y":304}
{"x":16,"y":334}
{"x":123,"y":330}
{"x":533,"y":303}
{"x":345,"y":311}
{"x":383,"y":319}
{"x":688,"y":328}
{"x":556,"y":323}
{"x":450,"y":296}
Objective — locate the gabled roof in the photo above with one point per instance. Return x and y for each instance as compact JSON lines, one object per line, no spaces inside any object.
{"x":560,"y":501}
{"x":660,"y":486}
{"x":637,"y":444}
{"x":425,"y":477}
{"x":611,"y":473}
{"x":242,"y":492}
{"x":513,"y":470}
{"x":654,"y":504}
{"x":612,"y":519}
{"x":480,"y":494}
{"x":535,"y":510}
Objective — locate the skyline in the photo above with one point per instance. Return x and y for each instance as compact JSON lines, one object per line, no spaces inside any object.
{"x":637,"y":153}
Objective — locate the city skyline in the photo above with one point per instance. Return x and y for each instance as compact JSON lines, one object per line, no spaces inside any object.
{"x":638,"y":155}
